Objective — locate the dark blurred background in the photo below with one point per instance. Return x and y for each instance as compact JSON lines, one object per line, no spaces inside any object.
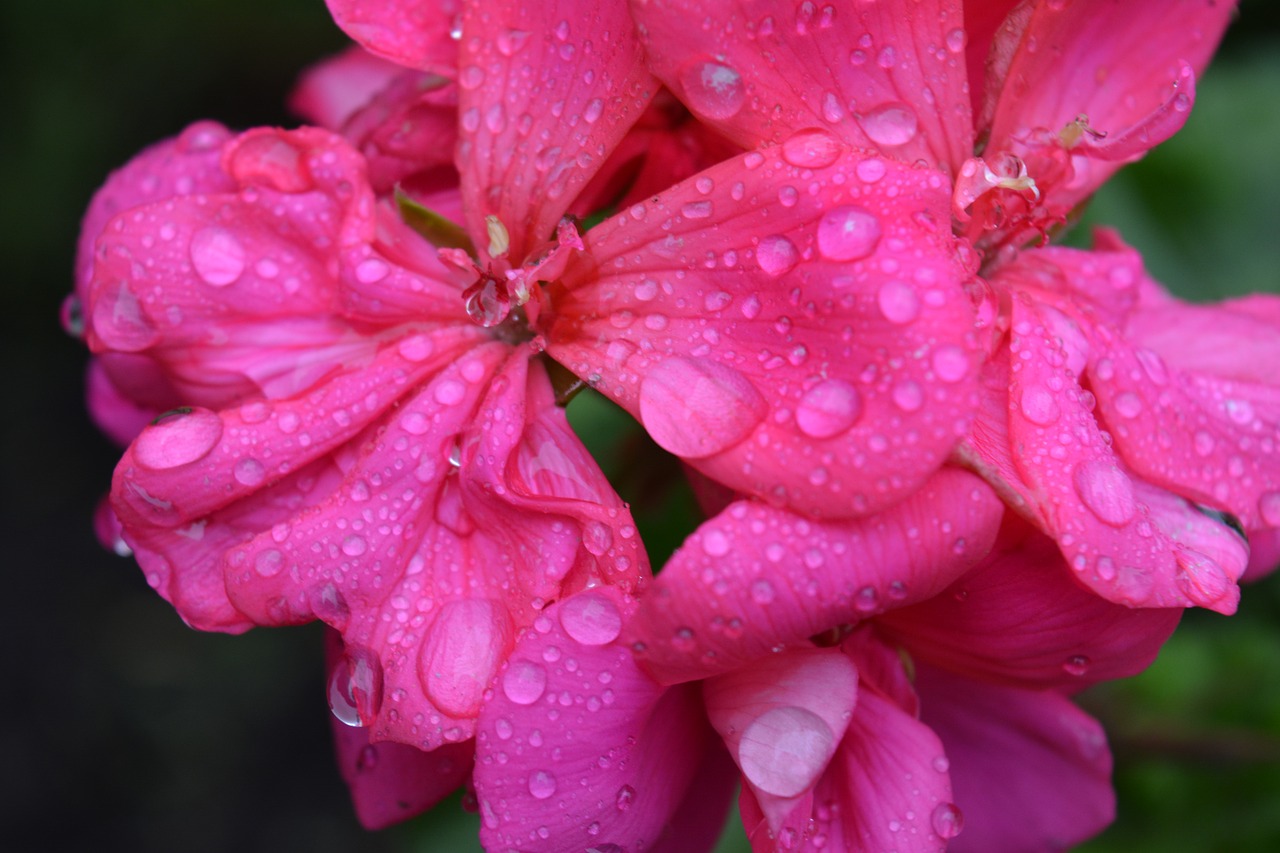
{"x":128,"y":731}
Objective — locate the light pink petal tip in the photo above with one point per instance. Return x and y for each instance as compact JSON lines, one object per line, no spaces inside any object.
{"x":756,"y":577}
{"x":546,"y":91}
{"x":1030,"y":770}
{"x":413,"y":33}
{"x":886,"y":77}
{"x":578,"y":748}
{"x":794,"y":322}
{"x":330,"y":91}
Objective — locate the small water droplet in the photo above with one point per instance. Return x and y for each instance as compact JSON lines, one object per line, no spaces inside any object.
{"x":950,"y":363}
{"x":947,"y":820}
{"x":217,"y":256}
{"x":898,"y":301}
{"x":626,"y":796}
{"x":712,"y":89}
{"x":1039,"y":405}
{"x":541,"y":784}
{"x":828,"y":409}
{"x":762,"y":592}
{"x":1106,"y":491}
{"x":848,"y":233}
{"x":178,"y":438}
{"x":890,"y":124}
{"x":591,"y":619}
{"x":866,"y":599}
{"x":524,"y":682}
{"x":776,"y":255}
{"x":696,"y":407}
{"x":1076,"y":665}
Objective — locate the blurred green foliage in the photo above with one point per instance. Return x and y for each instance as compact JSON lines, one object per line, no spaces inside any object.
{"x":130,"y":731}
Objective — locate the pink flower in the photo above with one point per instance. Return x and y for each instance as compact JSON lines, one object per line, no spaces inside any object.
{"x":361,"y":440}
{"x":837,"y":744}
{"x":1060,"y":94}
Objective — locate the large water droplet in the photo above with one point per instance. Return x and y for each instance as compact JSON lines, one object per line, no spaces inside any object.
{"x":950,"y":363}
{"x":177,"y":438}
{"x":890,"y":124}
{"x":524,"y":682}
{"x":811,"y":149}
{"x":1106,"y":491}
{"x":783,"y":751}
{"x":776,"y":255}
{"x":828,"y":409}
{"x":947,"y":820}
{"x":1269,"y":508}
{"x":591,"y":619}
{"x":120,"y":321}
{"x":626,"y":796}
{"x":848,"y":233}
{"x":1039,"y":405}
{"x":217,"y":256}
{"x":712,"y":89}
{"x":269,"y":562}
{"x":898,"y":301}
{"x":541,"y":784}
{"x":696,"y":407}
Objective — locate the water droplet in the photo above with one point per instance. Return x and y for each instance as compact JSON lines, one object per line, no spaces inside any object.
{"x":715,"y":542}
{"x":1039,"y":405}
{"x":784,"y":750}
{"x":626,"y":796}
{"x":898,"y":301}
{"x":355,"y":688}
{"x":762,"y":592}
{"x":249,"y":472}
{"x":120,"y":321}
{"x":697,"y":210}
{"x":848,"y":233}
{"x":1106,"y":491}
{"x":866,"y":599}
{"x":524,"y":682}
{"x":1128,"y":405}
{"x":449,"y":392}
{"x":712,"y":89}
{"x":870,"y":170}
{"x":177,"y":438}
{"x":371,"y":271}
{"x":217,"y":256}
{"x":354,"y":546}
{"x":1076,"y":665}
{"x":1269,"y":508}
{"x":908,"y":396}
{"x":890,"y":124}
{"x":696,"y":407}
{"x":828,"y":409}
{"x":541,"y":784}
{"x":269,"y":562}
{"x":367,"y":760}
{"x":950,"y":363}
{"x":956,"y":40}
{"x":811,"y":149}
{"x":591,"y":619}
{"x":776,"y":255}
{"x":947,"y":820}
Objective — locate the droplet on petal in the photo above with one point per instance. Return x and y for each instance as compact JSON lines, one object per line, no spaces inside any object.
{"x":848,"y":233}
{"x":784,"y":750}
{"x":947,"y":820}
{"x":828,"y":409}
{"x":178,"y":438}
{"x":461,"y":651}
{"x":776,"y":255}
{"x":524,"y":682}
{"x":217,"y":256}
{"x":591,"y":619}
{"x":811,"y":149}
{"x":1106,"y":491}
{"x":712,"y":89}
{"x":696,"y":407}
{"x":890,"y":124}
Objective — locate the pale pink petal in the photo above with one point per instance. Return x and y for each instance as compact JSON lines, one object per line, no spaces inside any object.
{"x":331,"y":90}
{"x":1113,"y":539}
{"x":887,"y":76}
{"x":391,"y":782}
{"x":186,"y":164}
{"x":456,"y":521}
{"x":413,"y":33}
{"x":1019,"y":618}
{"x":546,"y":92}
{"x":1031,"y":771}
{"x":792,"y":322}
{"x":783,"y":718}
{"x":577,"y":748}
{"x":1264,"y":554}
{"x":1129,"y":67}
{"x":756,"y":577}
{"x":981,"y":22}
{"x":886,"y":788}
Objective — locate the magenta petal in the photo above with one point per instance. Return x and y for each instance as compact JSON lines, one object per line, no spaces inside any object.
{"x":792,"y":322}
{"x":414,"y":33}
{"x":1192,"y":403}
{"x":755,"y":577}
{"x":783,"y":718}
{"x":576,"y":747}
{"x":887,"y":76}
{"x":391,"y":782}
{"x":1019,"y":618}
{"x":547,"y":90}
{"x":455,"y":521}
{"x":332,"y":89}
{"x":1128,"y":67}
{"x":1121,"y":546}
{"x":1031,"y":771}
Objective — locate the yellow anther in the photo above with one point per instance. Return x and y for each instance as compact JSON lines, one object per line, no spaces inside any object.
{"x":499,"y":239}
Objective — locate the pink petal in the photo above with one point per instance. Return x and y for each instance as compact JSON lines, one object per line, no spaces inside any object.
{"x":120,"y":417}
{"x":1128,"y":67}
{"x":981,"y":22}
{"x":885,"y":789}
{"x":1124,"y":549}
{"x":455,"y":522}
{"x":1031,"y":771}
{"x":1020,"y":619}
{"x":1264,"y":554}
{"x":186,"y":164}
{"x":391,"y":782}
{"x":414,"y":33}
{"x":887,"y":77}
{"x":332,"y":89}
{"x":577,"y":747}
{"x":783,"y":718}
{"x":756,"y":577}
{"x":1193,"y":406}
{"x":546,"y":92}
{"x":408,"y":126}
{"x":792,"y":322}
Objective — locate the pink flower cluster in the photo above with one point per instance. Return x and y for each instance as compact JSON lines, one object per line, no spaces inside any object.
{"x":952,"y":474}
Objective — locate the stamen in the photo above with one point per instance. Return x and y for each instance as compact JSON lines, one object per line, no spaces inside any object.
{"x":499,"y":238}
{"x":1074,"y":131}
